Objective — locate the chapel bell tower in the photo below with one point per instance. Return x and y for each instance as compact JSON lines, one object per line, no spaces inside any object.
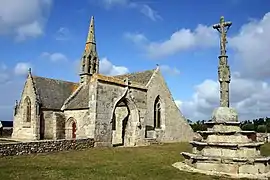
{"x":89,"y":60}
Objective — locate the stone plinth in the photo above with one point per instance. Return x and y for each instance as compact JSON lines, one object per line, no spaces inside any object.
{"x":225,"y":114}
{"x":226,"y":150}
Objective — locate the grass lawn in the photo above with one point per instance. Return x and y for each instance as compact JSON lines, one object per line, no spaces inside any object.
{"x":150,"y":163}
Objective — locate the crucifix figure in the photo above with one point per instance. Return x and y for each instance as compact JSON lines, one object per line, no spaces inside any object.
{"x":223,"y":68}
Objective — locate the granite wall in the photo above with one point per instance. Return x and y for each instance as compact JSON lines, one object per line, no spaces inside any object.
{"x":37,"y":147}
{"x":21,"y":128}
{"x":174,"y":126}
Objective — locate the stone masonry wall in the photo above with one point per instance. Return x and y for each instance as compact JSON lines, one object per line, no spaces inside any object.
{"x":48,"y":123}
{"x":107,"y":96}
{"x":174,"y":126}
{"x":37,"y":147}
{"x":83,"y":123}
{"x":21,"y":128}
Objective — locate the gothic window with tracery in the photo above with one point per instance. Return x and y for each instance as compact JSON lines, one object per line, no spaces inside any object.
{"x":27,"y":106}
{"x":157,"y":113}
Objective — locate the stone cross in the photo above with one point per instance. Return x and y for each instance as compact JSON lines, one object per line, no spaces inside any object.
{"x":223,"y":68}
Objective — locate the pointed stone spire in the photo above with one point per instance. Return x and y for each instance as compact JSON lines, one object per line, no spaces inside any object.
{"x":90,"y":60}
{"x":91,"y":41}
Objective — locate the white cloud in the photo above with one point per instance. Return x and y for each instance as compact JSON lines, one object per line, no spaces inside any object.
{"x":149,"y":12}
{"x":22,"y":68}
{"x":169,"y":70}
{"x":141,"y":7}
{"x":252,"y":47}
{"x":10,"y":89}
{"x":107,"y":68}
{"x":54,"y":57}
{"x":182,"y":40}
{"x":24,"y":18}
{"x":62,"y":34}
{"x":250,"y":97}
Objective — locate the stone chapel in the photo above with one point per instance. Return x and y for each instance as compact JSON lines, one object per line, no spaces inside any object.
{"x":128,"y":110}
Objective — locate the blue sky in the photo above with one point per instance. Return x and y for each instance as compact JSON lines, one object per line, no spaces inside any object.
{"x":49,"y":36}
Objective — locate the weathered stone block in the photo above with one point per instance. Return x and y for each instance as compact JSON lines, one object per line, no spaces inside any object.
{"x":248,"y":169}
{"x":225,"y":114}
{"x":226,"y":168}
{"x":222,"y":127}
{"x":228,"y":138}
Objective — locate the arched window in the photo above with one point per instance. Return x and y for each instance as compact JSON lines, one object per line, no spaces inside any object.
{"x":89,"y":59}
{"x":27,"y":108}
{"x":157,"y":113}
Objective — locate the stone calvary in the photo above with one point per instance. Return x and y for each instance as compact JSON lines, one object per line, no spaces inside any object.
{"x":224,"y":149}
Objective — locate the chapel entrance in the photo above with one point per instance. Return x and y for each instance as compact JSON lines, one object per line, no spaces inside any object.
{"x":71,"y":128}
{"x":74,"y":130}
{"x":121,"y":125}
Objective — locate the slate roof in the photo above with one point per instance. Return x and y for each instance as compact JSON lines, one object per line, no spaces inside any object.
{"x":80,"y":100}
{"x":139,"y":77}
{"x":53,"y":92}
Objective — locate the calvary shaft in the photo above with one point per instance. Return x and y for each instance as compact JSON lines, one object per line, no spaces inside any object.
{"x":224,"y":75}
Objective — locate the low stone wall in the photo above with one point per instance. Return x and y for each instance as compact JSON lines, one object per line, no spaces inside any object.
{"x":36,"y":147}
{"x":5,"y":132}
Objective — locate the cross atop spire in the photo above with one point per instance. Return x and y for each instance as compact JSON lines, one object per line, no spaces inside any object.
{"x":91,"y":41}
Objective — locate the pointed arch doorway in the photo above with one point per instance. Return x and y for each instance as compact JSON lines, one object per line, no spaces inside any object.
{"x":71,"y":128}
{"x":124,"y":123}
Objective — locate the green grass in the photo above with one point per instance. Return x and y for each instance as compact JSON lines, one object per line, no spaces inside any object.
{"x":149,"y":163}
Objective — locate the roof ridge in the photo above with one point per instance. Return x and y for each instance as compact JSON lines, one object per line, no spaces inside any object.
{"x":54,"y":79}
{"x":72,"y":96}
{"x":136,"y":72}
